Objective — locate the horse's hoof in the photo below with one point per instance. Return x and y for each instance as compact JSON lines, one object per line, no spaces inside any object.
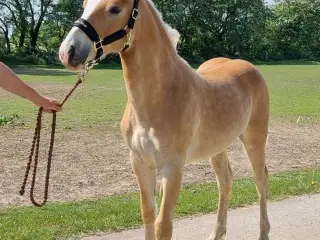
{"x":264,"y":236}
{"x":214,"y":237}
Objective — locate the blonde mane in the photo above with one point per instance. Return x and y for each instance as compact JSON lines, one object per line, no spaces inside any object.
{"x":173,"y":34}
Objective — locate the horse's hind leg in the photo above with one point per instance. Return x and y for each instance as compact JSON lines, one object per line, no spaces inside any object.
{"x":221,"y":167}
{"x":254,"y":140}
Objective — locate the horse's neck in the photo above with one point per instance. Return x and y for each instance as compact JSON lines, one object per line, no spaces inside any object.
{"x":150,"y":67}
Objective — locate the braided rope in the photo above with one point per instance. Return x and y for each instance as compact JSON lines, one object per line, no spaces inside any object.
{"x":34,"y":152}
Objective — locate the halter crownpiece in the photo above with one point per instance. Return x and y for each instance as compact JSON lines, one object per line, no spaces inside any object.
{"x":98,"y":43}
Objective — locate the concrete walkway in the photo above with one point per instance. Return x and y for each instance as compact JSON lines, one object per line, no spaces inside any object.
{"x":291,"y":219}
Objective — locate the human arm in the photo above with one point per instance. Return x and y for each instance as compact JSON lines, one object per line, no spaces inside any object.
{"x":10,"y":82}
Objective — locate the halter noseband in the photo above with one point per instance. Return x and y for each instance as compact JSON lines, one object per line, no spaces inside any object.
{"x":98,"y":43}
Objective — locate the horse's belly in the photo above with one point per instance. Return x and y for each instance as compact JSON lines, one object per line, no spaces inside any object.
{"x":207,"y":150}
{"x":215,"y":141}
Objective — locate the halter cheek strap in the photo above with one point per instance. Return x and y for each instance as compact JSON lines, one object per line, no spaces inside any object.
{"x":98,"y":43}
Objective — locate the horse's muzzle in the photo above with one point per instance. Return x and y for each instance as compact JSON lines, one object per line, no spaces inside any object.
{"x":74,"y":51}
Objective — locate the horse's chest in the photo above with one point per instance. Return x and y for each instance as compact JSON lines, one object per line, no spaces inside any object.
{"x":145,"y":144}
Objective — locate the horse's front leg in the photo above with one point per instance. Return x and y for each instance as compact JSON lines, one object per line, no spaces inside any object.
{"x":146,"y":176}
{"x":171,"y":175}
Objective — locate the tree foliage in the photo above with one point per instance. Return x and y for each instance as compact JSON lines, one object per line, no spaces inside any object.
{"x":251,"y":29}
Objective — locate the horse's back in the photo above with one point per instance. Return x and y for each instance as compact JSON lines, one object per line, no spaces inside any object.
{"x":212,"y":63}
{"x":223,"y":69}
{"x":234,"y":72}
{"x":245,"y":78}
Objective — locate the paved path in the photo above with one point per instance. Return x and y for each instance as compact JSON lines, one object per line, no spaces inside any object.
{"x":291,"y":219}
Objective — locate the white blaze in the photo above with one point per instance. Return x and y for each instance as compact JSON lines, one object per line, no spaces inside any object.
{"x":90,"y":7}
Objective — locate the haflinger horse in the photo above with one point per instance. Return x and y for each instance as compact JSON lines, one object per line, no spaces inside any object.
{"x":175,"y":115}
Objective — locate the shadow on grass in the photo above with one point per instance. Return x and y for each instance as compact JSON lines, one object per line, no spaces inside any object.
{"x":109,"y":66}
{"x":55,"y":70}
{"x":60,"y":70}
{"x":35,"y":71}
{"x":297,"y":62}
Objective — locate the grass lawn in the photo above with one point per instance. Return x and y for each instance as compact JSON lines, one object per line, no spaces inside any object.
{"x":60,"y":221}
{"x":294,"y":91}
{"x":100,"y":101}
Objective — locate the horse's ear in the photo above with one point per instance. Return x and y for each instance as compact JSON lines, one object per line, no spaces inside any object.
{"x":84,"y":3}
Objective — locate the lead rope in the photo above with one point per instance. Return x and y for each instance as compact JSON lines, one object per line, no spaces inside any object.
{"x":36,"y":143}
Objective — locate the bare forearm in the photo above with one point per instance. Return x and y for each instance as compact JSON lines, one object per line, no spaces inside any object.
{"x":9,"y":81}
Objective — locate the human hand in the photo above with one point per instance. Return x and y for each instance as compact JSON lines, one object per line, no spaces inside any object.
{"x":49,"y":105}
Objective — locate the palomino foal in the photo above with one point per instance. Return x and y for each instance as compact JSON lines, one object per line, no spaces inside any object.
{"x":175,"y":115}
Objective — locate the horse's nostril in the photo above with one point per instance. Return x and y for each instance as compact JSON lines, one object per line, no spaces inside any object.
{"x":71,"y":52}
{"x":76,"y":54}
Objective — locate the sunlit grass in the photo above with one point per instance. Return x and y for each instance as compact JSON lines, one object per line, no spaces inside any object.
{"x":294,"y":91}
{"x":59,"y":221}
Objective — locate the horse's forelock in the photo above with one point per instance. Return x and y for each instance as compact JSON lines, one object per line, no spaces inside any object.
{"x":84,"y":3}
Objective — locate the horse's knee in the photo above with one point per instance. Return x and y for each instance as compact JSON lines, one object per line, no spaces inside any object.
{"x":163,"y":229}
{"x":148,"y":214}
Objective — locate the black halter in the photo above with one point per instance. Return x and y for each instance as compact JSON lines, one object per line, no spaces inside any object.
{"x":98,"y":43}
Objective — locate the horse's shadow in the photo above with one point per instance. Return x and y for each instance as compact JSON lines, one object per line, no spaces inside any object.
{"x":34,"y":71}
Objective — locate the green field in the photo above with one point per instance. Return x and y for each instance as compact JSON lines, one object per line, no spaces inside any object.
{"x":60,"y":221}
{"x":294,"y":91}
{"x":100,"y":101}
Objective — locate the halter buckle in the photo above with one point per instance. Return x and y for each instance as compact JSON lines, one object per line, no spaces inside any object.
{"x":128,"y":36}
{"x":98,"y":45}
{"x":135,"y":13}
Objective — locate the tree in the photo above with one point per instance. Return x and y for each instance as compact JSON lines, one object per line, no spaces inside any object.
{"x":296,"y":29}
{"x":18,"y":12}
{"x":35,"y":22}
{"x":5,"y":28}
{"x":27,"y":16}
{"x":72,"y":10}
{"x":247,"y":29}
{"x":58,"y":23}
{"x":216,"y":28}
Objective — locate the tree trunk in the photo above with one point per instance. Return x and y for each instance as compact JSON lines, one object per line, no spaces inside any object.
{"x":22,"y":38}
{"x":23,"y":24}
{"x":35,"y":33}
{"x":33,"y":41}
{"x":7,"y":39}
{"x":35,"y":29}
{"x":5,"y":31}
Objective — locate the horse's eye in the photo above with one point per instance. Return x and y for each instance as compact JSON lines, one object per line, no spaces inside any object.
{"x":115,"y":10}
